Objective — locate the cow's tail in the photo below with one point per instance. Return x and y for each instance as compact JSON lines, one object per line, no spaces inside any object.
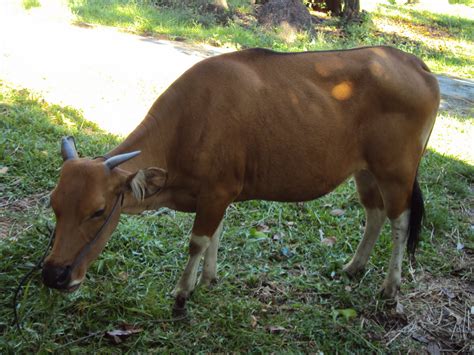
{"x":417,"y":210}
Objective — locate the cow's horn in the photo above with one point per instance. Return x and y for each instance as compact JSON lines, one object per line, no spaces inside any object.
{"x":68,"y":148}
{"x":112,"y":162}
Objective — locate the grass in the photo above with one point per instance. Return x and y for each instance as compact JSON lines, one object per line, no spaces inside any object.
{"x":280,"y":288}
{"x":443,"y":40}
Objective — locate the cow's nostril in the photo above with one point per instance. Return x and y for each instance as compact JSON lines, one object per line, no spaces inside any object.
{"x":56,"y":276}
{"x":64,"y":277}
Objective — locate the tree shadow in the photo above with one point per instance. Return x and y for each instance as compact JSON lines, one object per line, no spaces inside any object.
{"x":422,"y":49}
{"x":451,"y":26}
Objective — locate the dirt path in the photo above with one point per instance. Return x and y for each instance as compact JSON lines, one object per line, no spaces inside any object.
{"x":113,"y":77}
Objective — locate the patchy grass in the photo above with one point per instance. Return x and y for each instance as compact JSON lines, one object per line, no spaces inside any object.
{"x":280,"y":288}
{"x":443,"y":40}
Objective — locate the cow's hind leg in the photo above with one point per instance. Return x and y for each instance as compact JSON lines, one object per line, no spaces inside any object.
{"x":371,"y":199}
{"x":209,"y":214}
{"x":404,"y":207}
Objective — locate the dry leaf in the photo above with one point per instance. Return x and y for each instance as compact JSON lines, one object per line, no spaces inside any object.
{"x":329,"y":241}
{"x":433,"y":349}
{"x":3,"y":170}
{"x":263,"y":228}
{"x":118,"y":335}
{"x":276,"y":329}
{"x":399,"y":309}
{"x":277,"y":236}
{"x":253,"y":321}
{"x":337,"y":212}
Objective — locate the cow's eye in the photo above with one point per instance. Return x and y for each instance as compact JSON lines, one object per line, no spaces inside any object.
{"x":98,"y":213}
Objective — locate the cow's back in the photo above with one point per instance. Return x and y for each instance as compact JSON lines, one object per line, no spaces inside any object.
{"x":268,"y":123}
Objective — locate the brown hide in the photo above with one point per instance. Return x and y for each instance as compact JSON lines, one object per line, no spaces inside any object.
{"x":256,"y":124}
{"x":286,"y":127}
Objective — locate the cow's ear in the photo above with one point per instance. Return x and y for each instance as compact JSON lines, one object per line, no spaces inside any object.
{"x":146,"y":182}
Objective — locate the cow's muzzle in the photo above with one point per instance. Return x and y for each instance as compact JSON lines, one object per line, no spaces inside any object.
{"x":56,"y":276}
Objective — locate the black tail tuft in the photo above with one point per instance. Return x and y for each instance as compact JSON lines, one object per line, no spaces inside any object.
{"x":416,"y":215}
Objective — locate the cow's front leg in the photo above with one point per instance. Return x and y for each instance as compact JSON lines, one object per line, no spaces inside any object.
{"x":204,"y":240}
{"x":209,"y":270}
{"x":197,"y":246}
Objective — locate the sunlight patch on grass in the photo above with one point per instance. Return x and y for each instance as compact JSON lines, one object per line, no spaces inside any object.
{"x":454,"y":136}
{"x":445,"y":42}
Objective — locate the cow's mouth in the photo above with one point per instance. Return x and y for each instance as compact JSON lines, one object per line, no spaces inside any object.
{"x":71,"y":289}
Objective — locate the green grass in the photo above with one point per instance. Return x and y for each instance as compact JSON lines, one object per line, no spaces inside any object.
{"x":29,"y":4}
{"x":445,"y":41}
{"x":292,"y":281}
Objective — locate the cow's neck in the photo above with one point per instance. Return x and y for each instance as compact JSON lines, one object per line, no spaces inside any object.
{"x":149,"y":138}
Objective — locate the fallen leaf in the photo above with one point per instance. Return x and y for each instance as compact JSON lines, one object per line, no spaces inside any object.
{"x":433,"y":349}
{"x":399,"y":309}
{"x":448,"y":293}
{"x":286,"y":252}
{"x":348,"y":288}
{"x":420,"y":337}
{"x":256,"y":234}
{"x":263,"y":228}
{"x":329,"y":241}
{"x":253,"y":321}
{"x":276,"y":329}
{"x":3,"y":170}
{"x":337,"y":212}
{"x":123,"y":275}
{"x":277,"y":236}
{"x":118,"y":335}
{"x":347,"y":313}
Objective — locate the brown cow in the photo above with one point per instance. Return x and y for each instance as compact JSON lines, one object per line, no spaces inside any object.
{"x":256,"y":124}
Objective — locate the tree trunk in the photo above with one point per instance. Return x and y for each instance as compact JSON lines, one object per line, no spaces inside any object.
{"x":351,"y":9}
{"x":221,"y":4}
{"x":335,"y":6}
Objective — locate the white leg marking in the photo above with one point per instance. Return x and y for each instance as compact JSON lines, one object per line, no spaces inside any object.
{"x":399,"y":240}
{"x":209,"y":271}
{"x":187,"y":282}
{"x":373,"y":225}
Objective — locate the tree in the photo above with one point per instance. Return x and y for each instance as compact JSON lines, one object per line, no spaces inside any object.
{"x":221,"y":4}
{"x":351,"y":9}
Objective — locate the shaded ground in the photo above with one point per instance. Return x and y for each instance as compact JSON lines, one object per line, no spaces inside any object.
{"x":113,"y":77}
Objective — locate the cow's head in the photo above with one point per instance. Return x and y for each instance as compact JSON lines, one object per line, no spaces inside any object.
{"x":87,"y":204}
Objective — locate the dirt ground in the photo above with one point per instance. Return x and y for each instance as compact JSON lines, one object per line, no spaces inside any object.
{"x":113,"y":77}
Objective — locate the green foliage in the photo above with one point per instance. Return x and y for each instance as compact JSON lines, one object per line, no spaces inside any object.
{"x":29,"y":4}
{"x":462,"y":2}
{"x":280,"y":288}
{"x":239,"y":28}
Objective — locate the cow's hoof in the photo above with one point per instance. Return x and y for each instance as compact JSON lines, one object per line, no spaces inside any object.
{"x":179,"y":307}
{"x":207,"y":282}
{"x":352,"y":269}
{"x":179,"y":312}
{"x":389,"y":291}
